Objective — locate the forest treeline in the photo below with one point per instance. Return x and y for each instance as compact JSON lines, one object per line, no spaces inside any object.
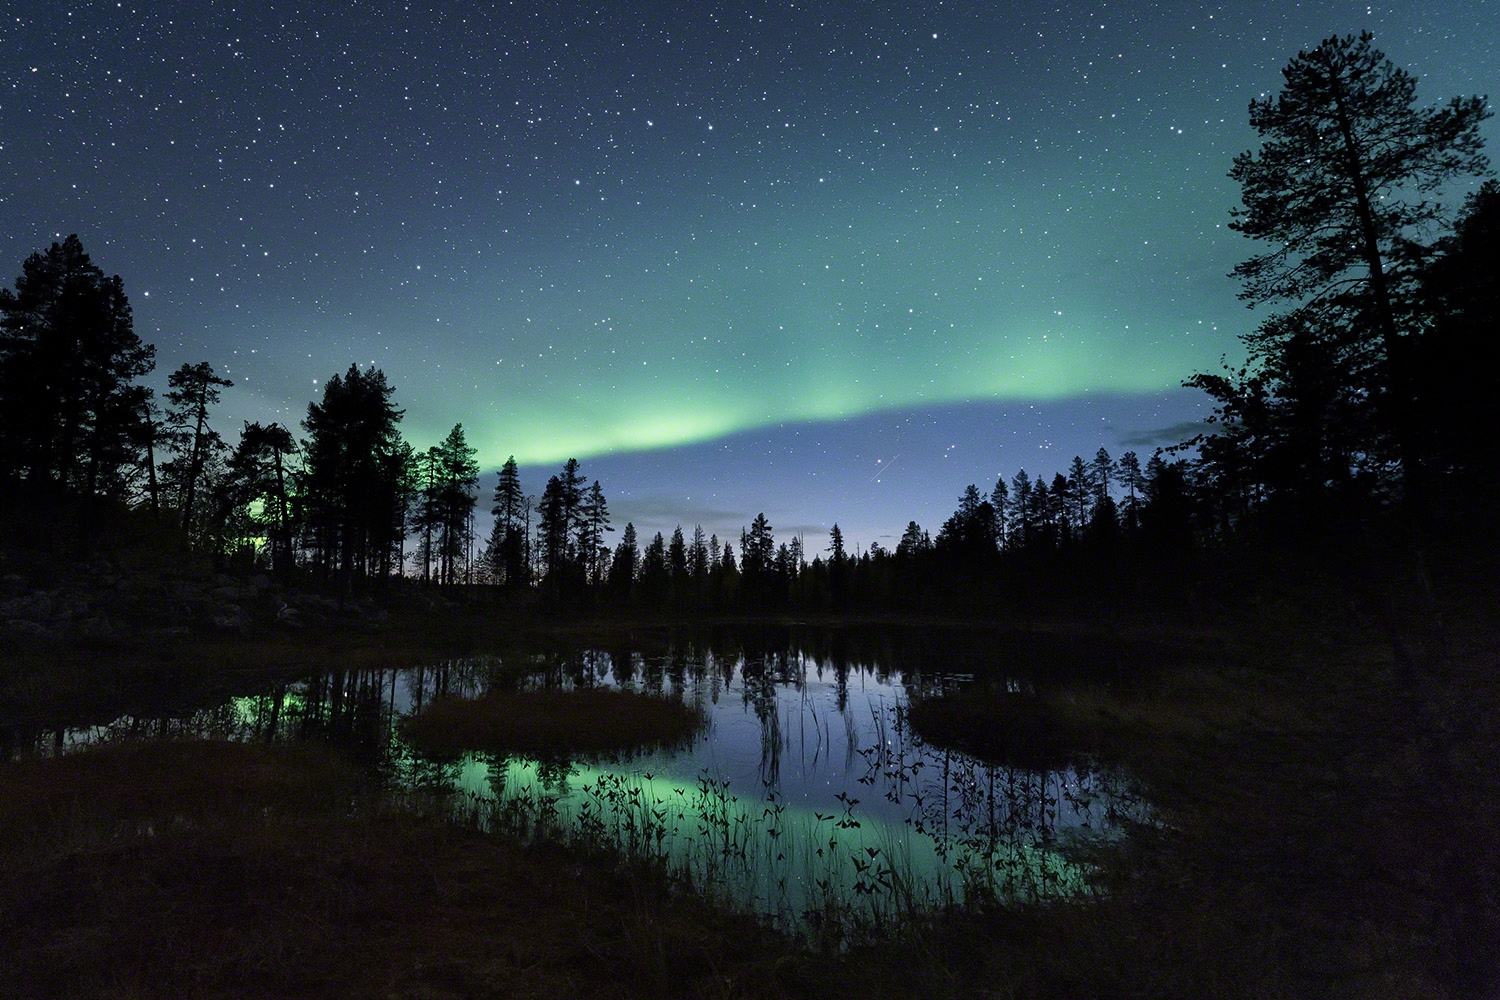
{"x":1363,"y":406}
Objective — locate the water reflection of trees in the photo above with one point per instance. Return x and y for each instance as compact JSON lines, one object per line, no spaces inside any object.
{"x":994,"y":822}
{"x":996,"y":831}
{"x":961,"y":802}
{"x":352,"y":709}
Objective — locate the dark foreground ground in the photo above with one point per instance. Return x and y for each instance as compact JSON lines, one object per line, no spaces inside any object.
{"x":1327,"y":782}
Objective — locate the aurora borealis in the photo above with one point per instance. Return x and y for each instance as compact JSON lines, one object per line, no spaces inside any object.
{"x":733,"y":258}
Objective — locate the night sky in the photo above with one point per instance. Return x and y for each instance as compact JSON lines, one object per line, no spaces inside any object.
{"x":829,"y":261}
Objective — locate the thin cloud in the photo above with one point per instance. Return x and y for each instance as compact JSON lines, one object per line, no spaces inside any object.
{"x":1161,"y":437}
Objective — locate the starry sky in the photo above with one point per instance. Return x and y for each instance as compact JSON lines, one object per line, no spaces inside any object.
{"x":832,"y":261}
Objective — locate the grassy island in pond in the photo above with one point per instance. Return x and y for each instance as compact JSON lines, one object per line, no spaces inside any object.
{"x":552,"y":722}
{"x":1002,"y":728}
{"x":272,"y":871}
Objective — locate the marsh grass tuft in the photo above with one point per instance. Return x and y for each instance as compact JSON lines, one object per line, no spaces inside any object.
{"x":221,"y":869}
{"x":1001,"y":727}
{"x":144,"y":786}
{"x":552,"y":723}
{"x":1326,"y":831}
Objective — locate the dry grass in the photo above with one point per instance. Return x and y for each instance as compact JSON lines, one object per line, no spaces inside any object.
{"x":551,"y":723}
{"x":1014,"y":730}
{"x":226,"y":870}
{"x":1328,"y":831}
{"x":1327,"y":820}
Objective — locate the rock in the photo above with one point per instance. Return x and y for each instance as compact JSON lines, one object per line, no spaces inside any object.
{"x":20,"y":629}
{"x":230,"y":618}
{"x":96,"y":627}
{"x":36,"y":606}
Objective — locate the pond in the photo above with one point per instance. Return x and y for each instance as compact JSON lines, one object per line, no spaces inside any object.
{"x":806,"y":796}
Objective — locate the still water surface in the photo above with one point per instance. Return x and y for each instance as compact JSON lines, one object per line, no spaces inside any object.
{"x":806,"y":797}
